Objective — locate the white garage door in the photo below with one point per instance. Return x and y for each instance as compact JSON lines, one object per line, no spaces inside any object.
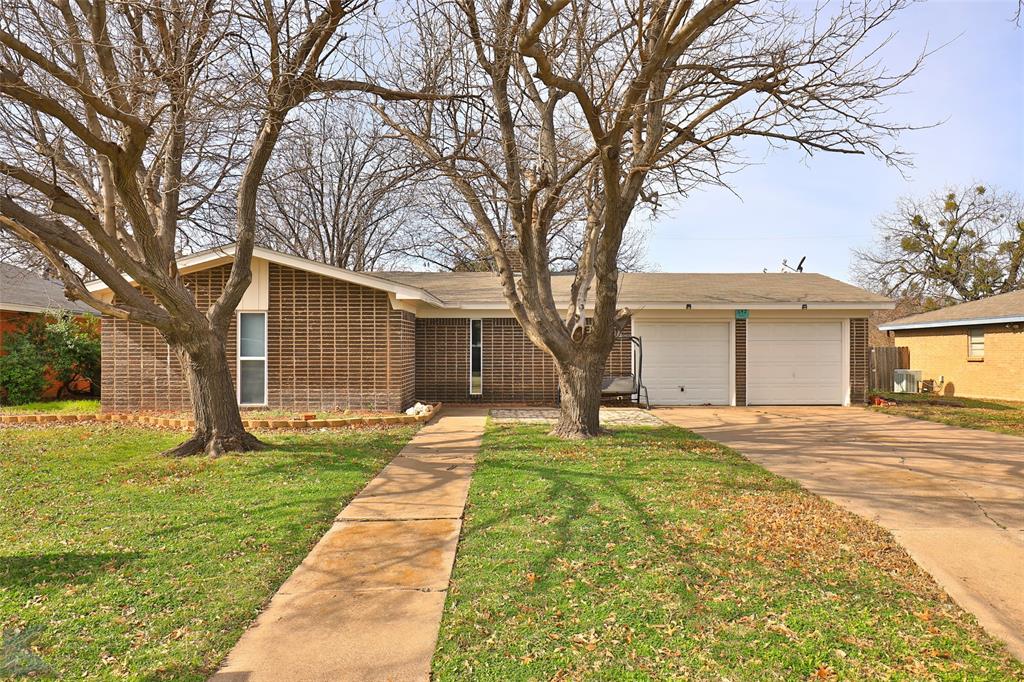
{"x":795,"y":363}
{"x":685,"y":363}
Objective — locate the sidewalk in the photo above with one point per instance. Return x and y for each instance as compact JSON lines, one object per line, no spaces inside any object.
{"x":366,"y":603}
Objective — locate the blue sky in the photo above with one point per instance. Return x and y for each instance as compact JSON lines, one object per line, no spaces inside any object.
{"x":820,"y":207}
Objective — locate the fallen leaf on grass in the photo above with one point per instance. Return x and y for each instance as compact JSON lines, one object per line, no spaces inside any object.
{"x":824,"y":672}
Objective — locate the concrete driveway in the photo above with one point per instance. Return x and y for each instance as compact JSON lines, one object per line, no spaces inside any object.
{"x":954,"y":498}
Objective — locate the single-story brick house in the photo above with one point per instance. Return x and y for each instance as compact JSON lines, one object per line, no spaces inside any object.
{"x":973,"y":349}
{"x":315,"y":336}
{"x":26,"y":297}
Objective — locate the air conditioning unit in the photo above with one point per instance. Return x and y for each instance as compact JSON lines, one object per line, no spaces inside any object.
{"x":906,"y":380}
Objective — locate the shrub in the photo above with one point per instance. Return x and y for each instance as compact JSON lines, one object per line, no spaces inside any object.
{"x":22,"y":370}
{"x":61,"y":349}
{"x":73,"y":349}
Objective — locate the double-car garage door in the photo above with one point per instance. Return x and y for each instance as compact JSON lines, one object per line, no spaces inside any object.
{"x":788,"y":363}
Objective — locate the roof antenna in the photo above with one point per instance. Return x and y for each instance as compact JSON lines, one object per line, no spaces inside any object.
{"x":799,"y":266}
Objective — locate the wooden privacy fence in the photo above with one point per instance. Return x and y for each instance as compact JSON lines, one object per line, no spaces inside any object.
{"x":884,"y":359}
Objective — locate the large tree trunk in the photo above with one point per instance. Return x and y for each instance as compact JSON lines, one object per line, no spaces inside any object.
{"x":214,"y":405}
{"x":580,"y":384}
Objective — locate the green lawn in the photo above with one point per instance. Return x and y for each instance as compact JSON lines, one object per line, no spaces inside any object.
{"x":93,"y":406}
{"x":133,"y":565}
{"x":989,"y":415}
{"x":54,"y":407}
{"x":654,"y":554}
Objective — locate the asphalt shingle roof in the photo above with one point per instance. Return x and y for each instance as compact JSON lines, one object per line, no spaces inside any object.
{"x":20,"y":289}
{"x":1000,"y":307}
{"x":651,"y":288}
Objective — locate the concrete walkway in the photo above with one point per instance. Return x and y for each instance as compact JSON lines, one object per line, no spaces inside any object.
{"x":366,"y":603}
{"x":954,"y":498}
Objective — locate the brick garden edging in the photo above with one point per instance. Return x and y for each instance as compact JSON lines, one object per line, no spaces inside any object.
{"x":184,"y":424}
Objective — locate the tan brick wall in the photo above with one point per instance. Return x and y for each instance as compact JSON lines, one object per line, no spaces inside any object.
{"x":943,"y":353}
{"x":514,"y":370}
{"x":330,"y":344}
{"x":859,"y":360}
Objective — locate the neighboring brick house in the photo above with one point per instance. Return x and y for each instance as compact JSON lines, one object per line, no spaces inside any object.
{"x":973,"y":349}
{"x":25,"y":297}
{"x":320,"y":337}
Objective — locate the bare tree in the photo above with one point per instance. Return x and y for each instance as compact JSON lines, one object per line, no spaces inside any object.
{"x":960,"y":244}
{"x":444,"y":234}
{"x":120,"y":120}
{"x":341,"y":191}
{"x":625,"y":103}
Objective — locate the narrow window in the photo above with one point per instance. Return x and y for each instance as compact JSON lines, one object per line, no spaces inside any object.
{"x":476,"y":357}
{"x":976,"y":343}
{"x":252,"y":358}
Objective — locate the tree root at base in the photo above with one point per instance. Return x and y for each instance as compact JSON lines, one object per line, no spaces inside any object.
{"x":216,"y":445}
{"x":576,"y":432}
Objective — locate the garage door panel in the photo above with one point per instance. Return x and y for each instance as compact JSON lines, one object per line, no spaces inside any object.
{"x":694,"y":356}
{"x":795,"y":363}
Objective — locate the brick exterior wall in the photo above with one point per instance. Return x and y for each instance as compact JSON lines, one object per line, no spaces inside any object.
{"x":330,"y":344}
{"x":335,"y":344}
{"x":741,"y":362}
{"x":140,"y":372}
{"x":514,"y":370}
{"x":943,"y":353}
{"x":860,"y":360}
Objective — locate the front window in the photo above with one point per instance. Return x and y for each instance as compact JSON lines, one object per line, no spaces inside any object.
{"x":976,"y":343}
{"x":476,"y":357}
{"x":252,"y":358}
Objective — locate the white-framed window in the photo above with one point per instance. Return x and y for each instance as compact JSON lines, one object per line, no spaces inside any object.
{"x":976,"y":343}
{"x":252,"y":358}
{"x":476,"y":357}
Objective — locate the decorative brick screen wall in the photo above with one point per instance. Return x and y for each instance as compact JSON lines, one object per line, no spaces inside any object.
{"x":331,"y":344}
{"x":514,"y":370}
{"x":442,"y":359}
{"x":859,"y":360}
{"x":741,"y":362}
{"x":335,"y":344}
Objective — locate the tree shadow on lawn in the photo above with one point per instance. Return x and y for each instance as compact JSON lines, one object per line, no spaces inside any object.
{"x":290,"y":459}
{"x":50,"y":568}
{"x":689,"y":518}
{"x":574,"y":488}
{"x":326,"y":453}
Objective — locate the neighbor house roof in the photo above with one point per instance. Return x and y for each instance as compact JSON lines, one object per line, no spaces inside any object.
{"x":482,"y":290}
{"x":24,"y":291}
{"x":997,"y":309}
{"x":660,"y":289}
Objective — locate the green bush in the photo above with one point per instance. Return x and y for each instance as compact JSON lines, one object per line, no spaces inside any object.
{"x":73,"y":349}
{"x":69,"y":347}
{"x":22,"y":370}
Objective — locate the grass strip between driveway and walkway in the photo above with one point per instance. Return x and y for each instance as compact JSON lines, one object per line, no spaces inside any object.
{"x":118,"y":562}
{"x":655,"y":554}
{"x":998,"y":416}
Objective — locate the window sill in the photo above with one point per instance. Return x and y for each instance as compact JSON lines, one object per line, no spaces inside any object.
{"x":975,"y":359}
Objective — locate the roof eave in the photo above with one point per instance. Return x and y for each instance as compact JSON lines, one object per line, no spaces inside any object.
{"x":642,"y":305}
{"x":28,"y":308}
{"x":967,"y":322}
{"x":219,"y":255}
